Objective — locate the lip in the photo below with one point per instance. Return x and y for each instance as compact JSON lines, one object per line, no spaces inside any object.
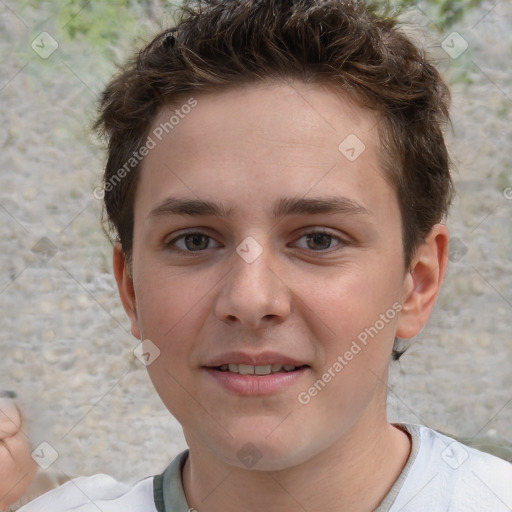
{"x":256,"y":385}
{"x":259,"y":359}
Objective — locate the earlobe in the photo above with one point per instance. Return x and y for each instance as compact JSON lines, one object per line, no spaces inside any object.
{"x":423,"y":282}
{"x":125,"y":286}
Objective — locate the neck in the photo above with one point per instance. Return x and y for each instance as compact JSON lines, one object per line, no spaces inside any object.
{"x":354,"y":474}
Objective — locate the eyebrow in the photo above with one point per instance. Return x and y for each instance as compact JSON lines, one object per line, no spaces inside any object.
{"x":307,"y":206}
{"x":282,"y":207}
{"x":175,"y":206}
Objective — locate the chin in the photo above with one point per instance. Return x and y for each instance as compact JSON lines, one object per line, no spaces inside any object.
{"x":274,"y":458}
{"x":256,"y":450}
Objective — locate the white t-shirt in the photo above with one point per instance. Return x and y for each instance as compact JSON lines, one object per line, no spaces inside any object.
{"x":441,"y":475}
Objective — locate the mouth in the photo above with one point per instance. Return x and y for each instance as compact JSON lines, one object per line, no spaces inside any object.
{"x":260,"y":370}
{"x":263,"y":374}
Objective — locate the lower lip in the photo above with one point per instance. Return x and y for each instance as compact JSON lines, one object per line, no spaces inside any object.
{"x":256,"y":385}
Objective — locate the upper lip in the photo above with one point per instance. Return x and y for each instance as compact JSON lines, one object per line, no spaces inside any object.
{"x":256,"y":359}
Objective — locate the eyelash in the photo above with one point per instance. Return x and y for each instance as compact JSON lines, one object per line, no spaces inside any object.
{"x":341,"y":242}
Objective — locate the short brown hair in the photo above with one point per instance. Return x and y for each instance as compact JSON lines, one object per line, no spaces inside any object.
{"x":342,"y":43}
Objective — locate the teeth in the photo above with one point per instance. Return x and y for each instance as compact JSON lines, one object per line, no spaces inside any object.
{"x":249,"y":369}
{"x":245,"y":369}
{"x":263,"y":370}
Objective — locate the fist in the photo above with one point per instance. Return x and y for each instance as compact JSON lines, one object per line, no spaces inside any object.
{"x":17,"y":468}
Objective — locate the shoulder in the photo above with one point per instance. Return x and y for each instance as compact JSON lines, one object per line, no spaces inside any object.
{"x":448,"y":475}
{"x":93,"y":493}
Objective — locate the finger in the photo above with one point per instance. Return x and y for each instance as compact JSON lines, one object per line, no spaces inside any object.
{"x":17,"y":468}
{"x":10,"y":419}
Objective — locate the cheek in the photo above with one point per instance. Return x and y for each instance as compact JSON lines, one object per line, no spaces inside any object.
{"x":354,"y":315}
{"x":167,"y":313}
{"x":172,"y":307}
{"x":164,"y":301}
{"x":350,"y":300}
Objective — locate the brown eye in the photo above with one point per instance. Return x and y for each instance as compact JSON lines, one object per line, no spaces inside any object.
{"x":190,"y":242}
{"x":196,"y":242}
{"x":319,"y":241}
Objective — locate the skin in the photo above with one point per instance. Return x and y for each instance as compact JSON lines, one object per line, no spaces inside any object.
{"x":307,"y":299}
{"x":17,"y":468}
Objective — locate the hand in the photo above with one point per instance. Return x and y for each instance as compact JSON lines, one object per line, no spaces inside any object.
{"x":17,"y":468}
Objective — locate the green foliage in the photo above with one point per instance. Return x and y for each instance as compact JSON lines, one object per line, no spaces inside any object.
{"x":99,"y":21}
{"x":93,"y":18}
{"x":103,"y":25}
{"x":443,"y":13}
{"x":450,"y":12}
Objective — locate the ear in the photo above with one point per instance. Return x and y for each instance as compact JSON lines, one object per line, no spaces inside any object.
{"x":125,"y":287}
{"x":423,"y":282}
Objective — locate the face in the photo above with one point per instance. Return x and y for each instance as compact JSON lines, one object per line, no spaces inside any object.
{"x":268,"y":270}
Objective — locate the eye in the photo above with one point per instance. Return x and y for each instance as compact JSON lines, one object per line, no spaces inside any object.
{"x":320,"y":241}
{"x":190,"y":242}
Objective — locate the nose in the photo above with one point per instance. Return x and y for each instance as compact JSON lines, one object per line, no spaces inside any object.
{"x":253,"y":293}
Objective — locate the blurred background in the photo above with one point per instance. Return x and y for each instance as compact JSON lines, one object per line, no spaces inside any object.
{"x":65,"y":345}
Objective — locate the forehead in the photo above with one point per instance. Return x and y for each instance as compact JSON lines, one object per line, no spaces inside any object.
{"x":252,"y":142}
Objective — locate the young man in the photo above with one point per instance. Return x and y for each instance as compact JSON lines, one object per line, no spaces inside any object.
{"x":276,"y":180}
